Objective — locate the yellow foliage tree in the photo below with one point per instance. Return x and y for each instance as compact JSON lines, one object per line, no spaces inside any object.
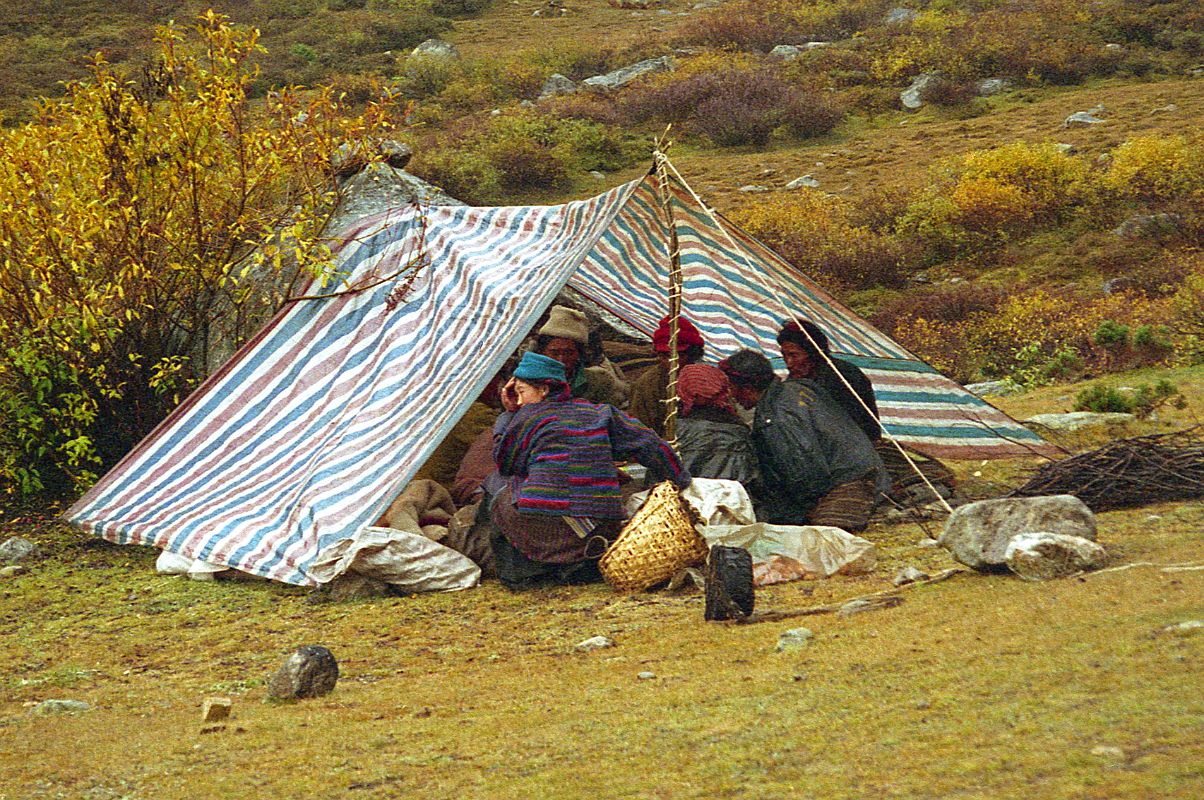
{"x":136,"y":215}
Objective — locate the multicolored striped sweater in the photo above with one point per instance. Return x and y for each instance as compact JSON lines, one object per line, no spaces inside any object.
{"x":559,"y":457}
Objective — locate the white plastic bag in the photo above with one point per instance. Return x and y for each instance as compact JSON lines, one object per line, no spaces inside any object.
{"x":720,"y":502}
{"x":789,"y":552}
{"x":404,"y":559}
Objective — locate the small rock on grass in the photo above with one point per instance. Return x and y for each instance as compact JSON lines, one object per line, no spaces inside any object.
{"x":11,"y":570}
{"x":909,"y":575}
{"x":215,"y":709}
{"x":1108,"y":751}
{"x":311,"y":671}
{"x":48,"y":708}
{"x":595,"y":643}
{"x":794,"y":639}
{"x":1189,"y":628}
{"x":17,"y":550}
{"x":646,"y":676}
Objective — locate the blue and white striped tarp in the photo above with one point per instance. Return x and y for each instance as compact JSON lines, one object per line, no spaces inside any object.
{"x":307,"y":434}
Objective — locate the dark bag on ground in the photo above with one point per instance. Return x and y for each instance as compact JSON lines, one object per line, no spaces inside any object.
{"x":729,"y":583}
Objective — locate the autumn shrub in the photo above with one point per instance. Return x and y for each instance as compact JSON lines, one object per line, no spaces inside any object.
{"x":762,"y":24}
{"x":144,"y":222}
{"x":518,"y":151}
{"x":814,"y":232}
{"x":1159,"y":168}
{"x":734,"y":105}
{"x":989,"y":197}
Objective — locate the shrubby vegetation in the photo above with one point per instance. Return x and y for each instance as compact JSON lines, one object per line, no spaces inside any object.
{"x":520,"y":150}
{"x":134,"y":211}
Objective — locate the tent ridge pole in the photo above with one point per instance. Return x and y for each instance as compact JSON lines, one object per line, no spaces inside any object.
{"x":661,"y":162}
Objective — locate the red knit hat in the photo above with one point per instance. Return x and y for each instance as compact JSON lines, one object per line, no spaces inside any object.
{"x":687,"y":335}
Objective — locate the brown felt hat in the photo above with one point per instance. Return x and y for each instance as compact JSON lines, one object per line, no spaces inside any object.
{"x":566,"y":323}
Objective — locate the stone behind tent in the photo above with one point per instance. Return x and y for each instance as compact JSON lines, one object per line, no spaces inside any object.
{"x":311,"y":671}
{"x":1041,"y":556}
{"x":977,"y":534}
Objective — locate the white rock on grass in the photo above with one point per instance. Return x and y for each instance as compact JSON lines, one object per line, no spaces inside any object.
{"x":909,"y":575}
{"x":805,"y":182}
{"x":595,"y":643}
{"x":977,"y":534}
{"x":794,"y":639}
{"x":1041,"y":556}
{"x":753,"y":188}
{"x":48,"y":708}
{"x":1189,"y":628}
{"x":1082,"y":118}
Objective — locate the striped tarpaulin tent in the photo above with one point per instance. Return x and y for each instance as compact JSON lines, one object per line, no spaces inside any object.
{"x":311,"y":429}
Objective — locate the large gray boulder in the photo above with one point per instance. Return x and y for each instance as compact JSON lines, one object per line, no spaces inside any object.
{"x":311,"y":671}
{"x":556,"y":85}
{"x":436,"y":48}
{"x":625,"y":75}
{"x":1143,"y":226}
{"x":988,"y":87}
{"x":17,"y":550}
{"x":1042,"y":556}
{"x":913,"y":96}
{"x":977,"y":534}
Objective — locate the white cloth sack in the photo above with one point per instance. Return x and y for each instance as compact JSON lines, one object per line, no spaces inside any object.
{"x":404,"y":559}
{"x":194,"y":568}
{"x":789,"y":552}
{"x":720,"y":502}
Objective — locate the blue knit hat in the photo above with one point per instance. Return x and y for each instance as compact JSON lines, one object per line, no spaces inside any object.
{"x":534,"y":367}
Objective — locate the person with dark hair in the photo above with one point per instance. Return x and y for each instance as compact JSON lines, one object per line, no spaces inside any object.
{"x":712,"y":440}
{"x":817,"y":466}
{"x":565,"y":337}
{"x":559,"y":503}
{"x":801,"y":350}
{"x":651,"y":389}
{"x":804,"y":361}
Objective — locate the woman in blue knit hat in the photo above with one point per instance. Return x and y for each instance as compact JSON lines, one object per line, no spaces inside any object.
{"x":561,"y":505}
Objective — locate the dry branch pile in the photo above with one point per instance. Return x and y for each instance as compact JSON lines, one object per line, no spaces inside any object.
{"x":1127,"y":472}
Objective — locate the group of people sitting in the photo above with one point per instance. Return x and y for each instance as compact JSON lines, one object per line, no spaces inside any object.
{"x":545,"y":472}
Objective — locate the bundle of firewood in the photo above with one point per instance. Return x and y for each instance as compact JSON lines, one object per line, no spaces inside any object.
{"x":1127,"y":472}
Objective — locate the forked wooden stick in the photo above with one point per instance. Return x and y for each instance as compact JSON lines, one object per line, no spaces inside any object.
{"x":774,"y":616}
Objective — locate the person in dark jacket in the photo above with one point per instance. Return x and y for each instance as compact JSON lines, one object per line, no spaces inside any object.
{"x":802,"y":343}
{"x":712,"y":440}
{"x":560,"y":504}
{"x":817,"y":466}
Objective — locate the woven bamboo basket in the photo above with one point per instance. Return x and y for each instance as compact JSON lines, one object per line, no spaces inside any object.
{"x":656,"y":542}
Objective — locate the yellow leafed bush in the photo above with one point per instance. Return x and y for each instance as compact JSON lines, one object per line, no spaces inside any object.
{"x":1158,"y":168}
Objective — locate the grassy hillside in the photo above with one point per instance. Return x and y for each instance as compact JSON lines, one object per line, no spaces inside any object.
{"x":981,"y":686}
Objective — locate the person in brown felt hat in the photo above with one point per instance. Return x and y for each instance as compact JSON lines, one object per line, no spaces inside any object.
{"x":564,"y":337}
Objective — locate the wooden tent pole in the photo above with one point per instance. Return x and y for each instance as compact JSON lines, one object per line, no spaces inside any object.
{"x":662,"y":180}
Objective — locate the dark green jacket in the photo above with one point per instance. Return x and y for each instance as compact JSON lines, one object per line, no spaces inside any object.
{"x":807,"y":445}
